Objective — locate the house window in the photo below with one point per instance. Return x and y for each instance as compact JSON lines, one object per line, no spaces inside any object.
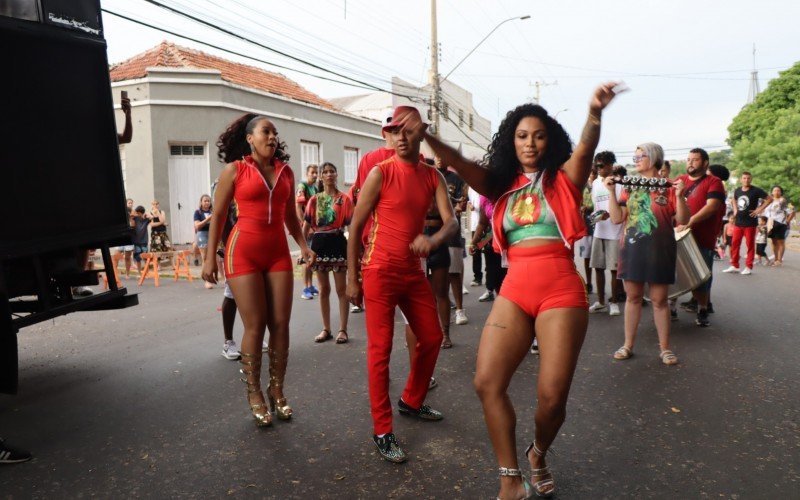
{"x":350,"y":165}
{"x":471,"y":121}
{"x":187,"y":150}
{"x":460,"y":117}
{"x":309,"y":154}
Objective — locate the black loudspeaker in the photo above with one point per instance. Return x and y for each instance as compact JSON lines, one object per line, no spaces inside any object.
{"x":59,"y":158}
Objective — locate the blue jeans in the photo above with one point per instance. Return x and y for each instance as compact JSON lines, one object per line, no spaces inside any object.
{"x":708,"y":258}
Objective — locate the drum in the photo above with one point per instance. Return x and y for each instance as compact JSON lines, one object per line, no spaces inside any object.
{"x":691,"y":270}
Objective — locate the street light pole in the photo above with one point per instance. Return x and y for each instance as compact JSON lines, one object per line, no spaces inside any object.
{"x":435,"y":80}
{"x":521,"y":18}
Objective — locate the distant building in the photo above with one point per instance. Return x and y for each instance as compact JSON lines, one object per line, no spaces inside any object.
{"x":461,"y":125}
{"x":183,"y":99}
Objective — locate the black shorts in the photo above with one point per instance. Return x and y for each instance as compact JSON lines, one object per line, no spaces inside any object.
{"x":778,"y":231}
{"x":331,"y":250}
{"x":761,"y":249}
{"x":439,"y":258}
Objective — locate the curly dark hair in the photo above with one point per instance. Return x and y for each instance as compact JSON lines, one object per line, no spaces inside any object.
{"x":501,"y":156}
{"x":606,"y":158}
{"x":720,"y":171}
{"x":233,"y":145}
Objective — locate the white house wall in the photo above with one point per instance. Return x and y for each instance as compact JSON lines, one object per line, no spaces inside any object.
{"x":195,"y":107}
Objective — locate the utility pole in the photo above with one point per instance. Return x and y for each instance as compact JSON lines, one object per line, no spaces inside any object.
{"x":538,"y":85}
{"x":434,"y":77}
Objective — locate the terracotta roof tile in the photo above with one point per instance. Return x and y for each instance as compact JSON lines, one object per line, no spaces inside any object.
{"x":170,"y":55}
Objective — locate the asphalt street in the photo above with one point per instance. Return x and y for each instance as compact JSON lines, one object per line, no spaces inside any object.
{"x":140,"y":403}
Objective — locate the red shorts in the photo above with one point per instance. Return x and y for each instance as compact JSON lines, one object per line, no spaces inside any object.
{"x":542,"y":278}
{"x":249,"y":252}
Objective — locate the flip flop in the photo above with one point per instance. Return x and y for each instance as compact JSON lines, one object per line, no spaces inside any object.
{"x":342,"y":338}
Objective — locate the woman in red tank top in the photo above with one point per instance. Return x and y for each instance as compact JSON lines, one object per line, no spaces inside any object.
{"x":257,"y":262}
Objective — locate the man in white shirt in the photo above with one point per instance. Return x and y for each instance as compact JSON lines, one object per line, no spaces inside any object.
{"x":474,"y":200}
{"x":605,"y":246}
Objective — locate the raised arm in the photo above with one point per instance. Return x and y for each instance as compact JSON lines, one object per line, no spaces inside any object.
{"x":473,"y":174}
{"x":127,"y":133}
{"x":579,"y":164}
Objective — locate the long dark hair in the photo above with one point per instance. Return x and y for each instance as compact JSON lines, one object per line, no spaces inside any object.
{"x":501,"y":157}
{"x":233,"y":144}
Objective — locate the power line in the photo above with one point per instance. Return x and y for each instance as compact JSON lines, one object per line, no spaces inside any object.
{"x":266,"y":47}
{"x":253,"y":58}
{"x":359,"y":84}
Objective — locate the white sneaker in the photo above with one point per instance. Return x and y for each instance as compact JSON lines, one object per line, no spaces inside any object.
{"x":746,"y":271}
{"x":355,"y":309}
{"x":613,"y":309}
{"x":464,"y":290}
{"x":461,"y":317}
{"x":731,"y":269}
{"x":264,"y":346}
{"x":230,"y":350}
{"x":597,"y":307}
{"x":487,"y":296}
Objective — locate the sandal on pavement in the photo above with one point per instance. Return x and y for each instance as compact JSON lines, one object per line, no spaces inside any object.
{"x":668,"y":357}
{"x":505,"y":471}
{"x":545,"y":487}
{"x":323,"y":336}
{"x":446,"y":342}
{"x":623,"y":353}
{"x":342,"y":338}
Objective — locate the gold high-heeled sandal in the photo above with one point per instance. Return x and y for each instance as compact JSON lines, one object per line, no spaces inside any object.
{"x":277,"y":372}
{"x":545,"y":487}
{"x":253,"y":368}
{"x":505,"y":471}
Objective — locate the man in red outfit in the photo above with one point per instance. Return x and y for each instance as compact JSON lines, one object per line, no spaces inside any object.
{"x":395,"y":196}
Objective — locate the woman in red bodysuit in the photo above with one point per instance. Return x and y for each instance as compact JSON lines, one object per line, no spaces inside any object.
{"x":257,"y":262}
{"x":535,"y":180}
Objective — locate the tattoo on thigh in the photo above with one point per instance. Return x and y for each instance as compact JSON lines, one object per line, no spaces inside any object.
{"x":496,"y":325}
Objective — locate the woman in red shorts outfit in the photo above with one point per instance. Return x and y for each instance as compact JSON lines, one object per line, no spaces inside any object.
{"x":535,"y":181}
{"x":257,"y":262}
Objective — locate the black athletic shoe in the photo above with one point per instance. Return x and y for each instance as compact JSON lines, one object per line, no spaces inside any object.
{"x":710,"y":308}
{"x":689,"y":306}
{"x":702,"y":318}
{"x":425,"y":412}
{"x":9,"y":455}
{"x":389,"y":449}
{"x":673,"y":315}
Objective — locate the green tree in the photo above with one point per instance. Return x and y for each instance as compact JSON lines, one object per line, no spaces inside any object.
{"x":765,"y":135}
{"x":719,"y":157}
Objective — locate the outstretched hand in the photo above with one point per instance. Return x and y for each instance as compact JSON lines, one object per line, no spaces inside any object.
{"x":605,"y":93}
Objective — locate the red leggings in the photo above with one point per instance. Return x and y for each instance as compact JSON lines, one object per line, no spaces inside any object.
{"x":260,"y":251}
{"x":383,"y":291}
{"x":543,"y":277}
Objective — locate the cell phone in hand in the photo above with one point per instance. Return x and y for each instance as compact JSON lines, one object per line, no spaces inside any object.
{"x":123,"y":94}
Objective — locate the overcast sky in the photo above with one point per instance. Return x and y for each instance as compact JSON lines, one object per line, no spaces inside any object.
{"x":687,"y":62}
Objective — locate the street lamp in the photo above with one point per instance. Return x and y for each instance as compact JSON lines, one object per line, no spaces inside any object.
{"x":521,"y":18}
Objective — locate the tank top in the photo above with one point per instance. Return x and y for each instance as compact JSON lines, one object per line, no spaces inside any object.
{"x":261,"y":206}
{"x":399,"y":215}
{"x":528,"y":215}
